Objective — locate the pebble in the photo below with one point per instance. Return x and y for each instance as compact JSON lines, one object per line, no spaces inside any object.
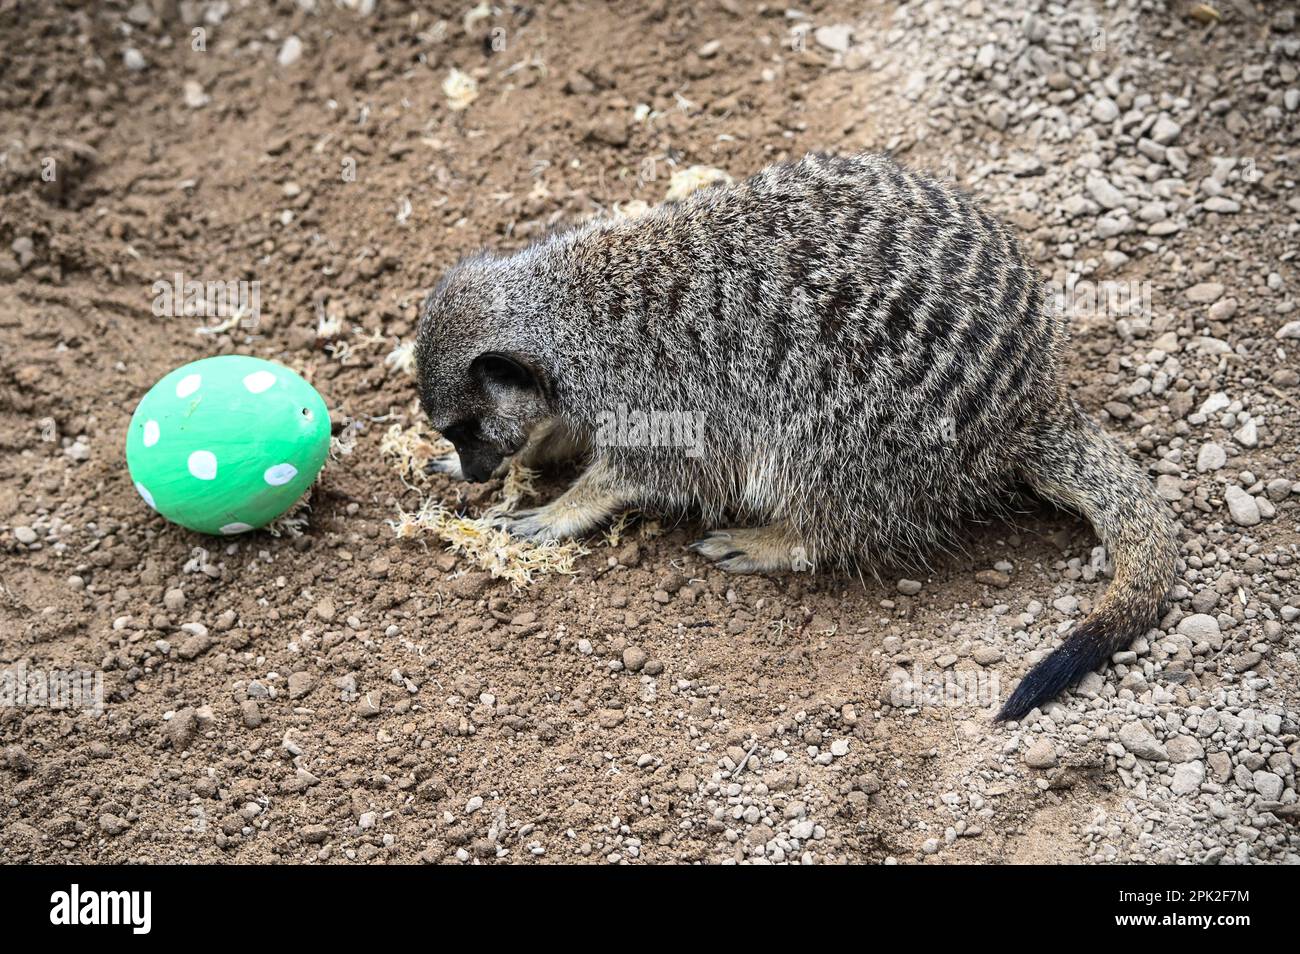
{"x":1184,"y":748}
{"x":1211,"y":458}
{"x":300,"y":683}
{"x":1041,"y":755}
{"x":1104,"y":110}
{"x":1205,"y":292}
{"x":1242,"y":507}
{"x":25,"y":535}
{"x":1138,"y":739}
{"x":835,"y":38}
{"x":1199,"y":628}
{"x":1188,"y":778}
{"x":290,"y":52}
{"x":634,"y":659}
{"x":174,"y":599}
{"x":1268,"y":784}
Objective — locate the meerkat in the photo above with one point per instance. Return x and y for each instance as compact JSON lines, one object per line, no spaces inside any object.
{"x":870,"y":359}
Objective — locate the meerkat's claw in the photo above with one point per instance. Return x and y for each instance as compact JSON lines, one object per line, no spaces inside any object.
{"x":758,"y":550}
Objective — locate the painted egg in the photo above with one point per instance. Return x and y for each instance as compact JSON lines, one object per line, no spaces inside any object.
{"x":227,"y":444}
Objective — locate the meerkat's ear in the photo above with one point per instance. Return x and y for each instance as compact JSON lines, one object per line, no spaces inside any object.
{"x":506,"y":372}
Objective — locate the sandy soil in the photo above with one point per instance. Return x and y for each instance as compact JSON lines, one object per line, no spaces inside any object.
{"x":345,"y":696}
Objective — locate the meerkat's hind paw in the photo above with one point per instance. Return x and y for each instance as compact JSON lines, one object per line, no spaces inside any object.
{"x":758,"y":550}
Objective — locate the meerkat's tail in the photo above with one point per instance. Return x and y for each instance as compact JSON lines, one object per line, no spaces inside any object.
{"x":1081,"y":468}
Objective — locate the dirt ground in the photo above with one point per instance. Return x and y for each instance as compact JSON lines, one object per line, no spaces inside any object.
{"x":343,"y":695}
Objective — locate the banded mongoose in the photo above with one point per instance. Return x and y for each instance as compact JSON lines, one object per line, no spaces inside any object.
{"x":869,"y":355}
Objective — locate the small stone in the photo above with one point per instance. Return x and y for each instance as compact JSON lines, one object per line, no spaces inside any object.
{"x":1138,"y":739}
{"x":1104,"y":193}
{"x":994,"y":578}
{"x":251,"y":713}
{"x":193,"y":95}
{"x":1165,"y":131}
{"x":195,"y":646}
{"x":835,"y":38}
{"x":182,"y":727}
{"x":987,"y":655}
{"x":1211,"y":457}
{"x":290,"y":52}
{"x":1188,"y":778}
{"x":1104,"y":110}
{"x":840,"y":748}
{"x":1205,"y":292}
{"x":300,"y":683}
{"x":1268,"y":785}
{"x":1067,"y":605}
{"x":324,"y":609}
{"x":111,"y":824}
{"x":1041,"y":755}
{"x":1242,"y":507}
{"x":134,"y":60}
{"x":909,"y":587}
{"x":1184,"y":748}
{"x":1220,"y":765}
{"x":1199,"y":628}
{"x":174,"y":600}
{"x":1223,"y":309}
{"x":315,"y":834}
{"x":25,"y":535}
{"x":634,"y":659}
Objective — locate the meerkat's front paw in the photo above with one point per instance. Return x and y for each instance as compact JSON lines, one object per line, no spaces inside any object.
{"x":558,"y":520}
{"x":754,"y":550}
{"x":535,"y":524}
{"x":448,"y":464}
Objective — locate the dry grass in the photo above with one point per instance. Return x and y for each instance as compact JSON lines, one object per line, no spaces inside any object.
{"x":476,"y":538}
{"x":411,"y":451}
{"x":488,"y":547}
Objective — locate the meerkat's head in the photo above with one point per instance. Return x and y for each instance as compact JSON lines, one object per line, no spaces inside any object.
{"x":480,"y":381}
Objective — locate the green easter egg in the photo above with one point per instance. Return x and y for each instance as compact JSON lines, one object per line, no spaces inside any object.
{"x":227,"y":444}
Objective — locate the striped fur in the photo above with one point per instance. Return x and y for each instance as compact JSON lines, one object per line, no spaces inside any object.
{"x":871,"y":354}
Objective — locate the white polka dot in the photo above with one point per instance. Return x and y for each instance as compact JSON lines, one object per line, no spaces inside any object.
{"x":203,"y":465}
{"x":144,"y":492}
{"x":150,"y":433}
{"x":235,"y":528}
{"x":188,"y":385}
{"x":259,"y":381}
{"x":280,"y":474}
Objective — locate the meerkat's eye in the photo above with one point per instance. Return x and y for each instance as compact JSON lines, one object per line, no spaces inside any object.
{"x":461,"y":431}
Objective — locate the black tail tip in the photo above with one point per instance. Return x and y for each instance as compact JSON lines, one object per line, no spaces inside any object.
{"x":1083,"y":652}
